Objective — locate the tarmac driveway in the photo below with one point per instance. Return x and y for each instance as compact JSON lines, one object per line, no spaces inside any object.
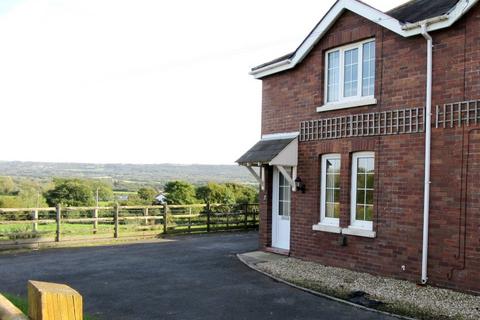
{"x":191,"y":277}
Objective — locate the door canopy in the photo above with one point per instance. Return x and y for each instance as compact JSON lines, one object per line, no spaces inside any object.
{"x":280,"y":150}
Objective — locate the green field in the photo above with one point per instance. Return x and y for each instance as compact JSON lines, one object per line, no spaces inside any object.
{"x":17,"y":232}
{"x":176,"y":225}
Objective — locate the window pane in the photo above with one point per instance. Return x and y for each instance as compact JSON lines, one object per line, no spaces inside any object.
{"x":370,"y":181}
{"x":333,"y":76}
{"x":368,"y":69}
{"x":330,"y":210}
{"x":333,"y":166}
{"x":336,"y":179}
{"x":360,"y":196}
{"x":330,"y":194}
{"x":362,"y":165}
{"x":286,"y":209}
{"x":332,"y":180}
{"x":360,"y":180}
{"x":287,"y":193}
{"x":360,"y":212}
{"x":369,"y":165}
{"x":350,"y":73}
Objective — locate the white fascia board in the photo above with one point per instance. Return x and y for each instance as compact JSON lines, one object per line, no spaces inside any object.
{"x":282,"y":135}
{"x":369,"y":13}
{"x":278,"y":66}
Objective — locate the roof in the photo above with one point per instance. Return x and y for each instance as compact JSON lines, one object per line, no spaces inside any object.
{"x":265,"y":151}
{"x":405,"y":20}
{"x":418,"y":10}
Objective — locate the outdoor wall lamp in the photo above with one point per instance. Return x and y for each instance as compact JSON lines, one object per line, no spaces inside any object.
{"x":299,"y":184}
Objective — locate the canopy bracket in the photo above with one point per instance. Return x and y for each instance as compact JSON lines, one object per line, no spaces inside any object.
{"x":260,"y":178}
{"x":290,"y":178}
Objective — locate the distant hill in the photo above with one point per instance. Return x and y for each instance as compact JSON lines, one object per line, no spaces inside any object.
{"x":128,"y":173}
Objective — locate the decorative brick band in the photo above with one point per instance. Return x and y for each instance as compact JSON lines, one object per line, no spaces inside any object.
{"x":457,"y":114}
{"x":400,"y":121}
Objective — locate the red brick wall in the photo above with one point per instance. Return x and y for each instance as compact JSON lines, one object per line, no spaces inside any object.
{"x":292,"y":96}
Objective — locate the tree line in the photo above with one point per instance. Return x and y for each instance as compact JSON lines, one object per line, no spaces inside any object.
{"x":90,"y":192}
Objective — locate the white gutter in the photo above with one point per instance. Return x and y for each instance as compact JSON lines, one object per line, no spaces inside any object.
{"x":410,"y":26}
{"x":428,"y":136}
{"x":270,"y":66}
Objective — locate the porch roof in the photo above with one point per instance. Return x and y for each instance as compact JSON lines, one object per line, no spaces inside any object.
{"x":272,"y":151}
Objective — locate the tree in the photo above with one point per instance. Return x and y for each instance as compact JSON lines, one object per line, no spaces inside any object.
{"x":215,"y":193}
{"x":70,"y":192}
{"x":105,"y":192}
{"x":147,"y":194}
{"x":31,"y":198}
{"x":180,"y":192}
{"x":10,"y":202}
{"x":7,"y":186}
{"x":243,"y":193}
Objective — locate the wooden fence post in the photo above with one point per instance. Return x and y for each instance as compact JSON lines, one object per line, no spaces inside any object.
{"x":115,"y":221}
{"x":48,"y":301}
{"x":246,"y":216}
{"x":165,"y":217}
{"x":208,"y":216}
{"x":145,"y":213}
{"x":58,"y":219}
{"x":95,"y":222}
{"x":35,"y":219}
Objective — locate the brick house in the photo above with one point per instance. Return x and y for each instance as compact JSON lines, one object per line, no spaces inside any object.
{"x":352,"y":172}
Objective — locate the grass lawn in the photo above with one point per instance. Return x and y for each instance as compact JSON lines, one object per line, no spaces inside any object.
{"x":106,"y":228}
{"x":15,"y":231}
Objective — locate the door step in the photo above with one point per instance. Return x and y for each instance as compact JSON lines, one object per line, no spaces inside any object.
{"x":283,"y":252}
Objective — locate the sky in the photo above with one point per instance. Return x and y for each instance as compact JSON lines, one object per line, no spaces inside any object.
{"x":144,"y":81}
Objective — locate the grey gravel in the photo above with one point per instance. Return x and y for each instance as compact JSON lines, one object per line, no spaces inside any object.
{"x":402,"y":295}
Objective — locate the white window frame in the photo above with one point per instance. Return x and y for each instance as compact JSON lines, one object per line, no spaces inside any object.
{"x":346,"y":102}
{"x":354,"y":223}
{"x":323,"y":190}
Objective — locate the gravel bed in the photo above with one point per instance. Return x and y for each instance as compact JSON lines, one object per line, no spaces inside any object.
{"x":398,"y":296}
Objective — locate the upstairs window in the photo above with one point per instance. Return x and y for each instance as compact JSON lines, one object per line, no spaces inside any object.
{"x":350,"y":72}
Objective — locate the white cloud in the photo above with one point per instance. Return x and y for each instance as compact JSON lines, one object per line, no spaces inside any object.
{"x":140,"y":81}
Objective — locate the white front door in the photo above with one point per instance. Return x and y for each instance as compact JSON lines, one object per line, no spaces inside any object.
{"x":281,"y":208}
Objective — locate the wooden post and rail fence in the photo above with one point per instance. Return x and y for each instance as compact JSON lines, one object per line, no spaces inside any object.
{"x":35,"y":226}
{"x":46,"y":301}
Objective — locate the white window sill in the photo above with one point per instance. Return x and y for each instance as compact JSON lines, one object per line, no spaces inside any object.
{"x":359,"y":232}
{"x":347,"y":104}
{"x":327,"y":228}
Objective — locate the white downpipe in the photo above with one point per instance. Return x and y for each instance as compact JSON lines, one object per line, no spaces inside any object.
{"x":428,"y":135}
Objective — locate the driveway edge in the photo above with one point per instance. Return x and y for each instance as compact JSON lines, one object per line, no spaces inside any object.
{"x":317,"y":293}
